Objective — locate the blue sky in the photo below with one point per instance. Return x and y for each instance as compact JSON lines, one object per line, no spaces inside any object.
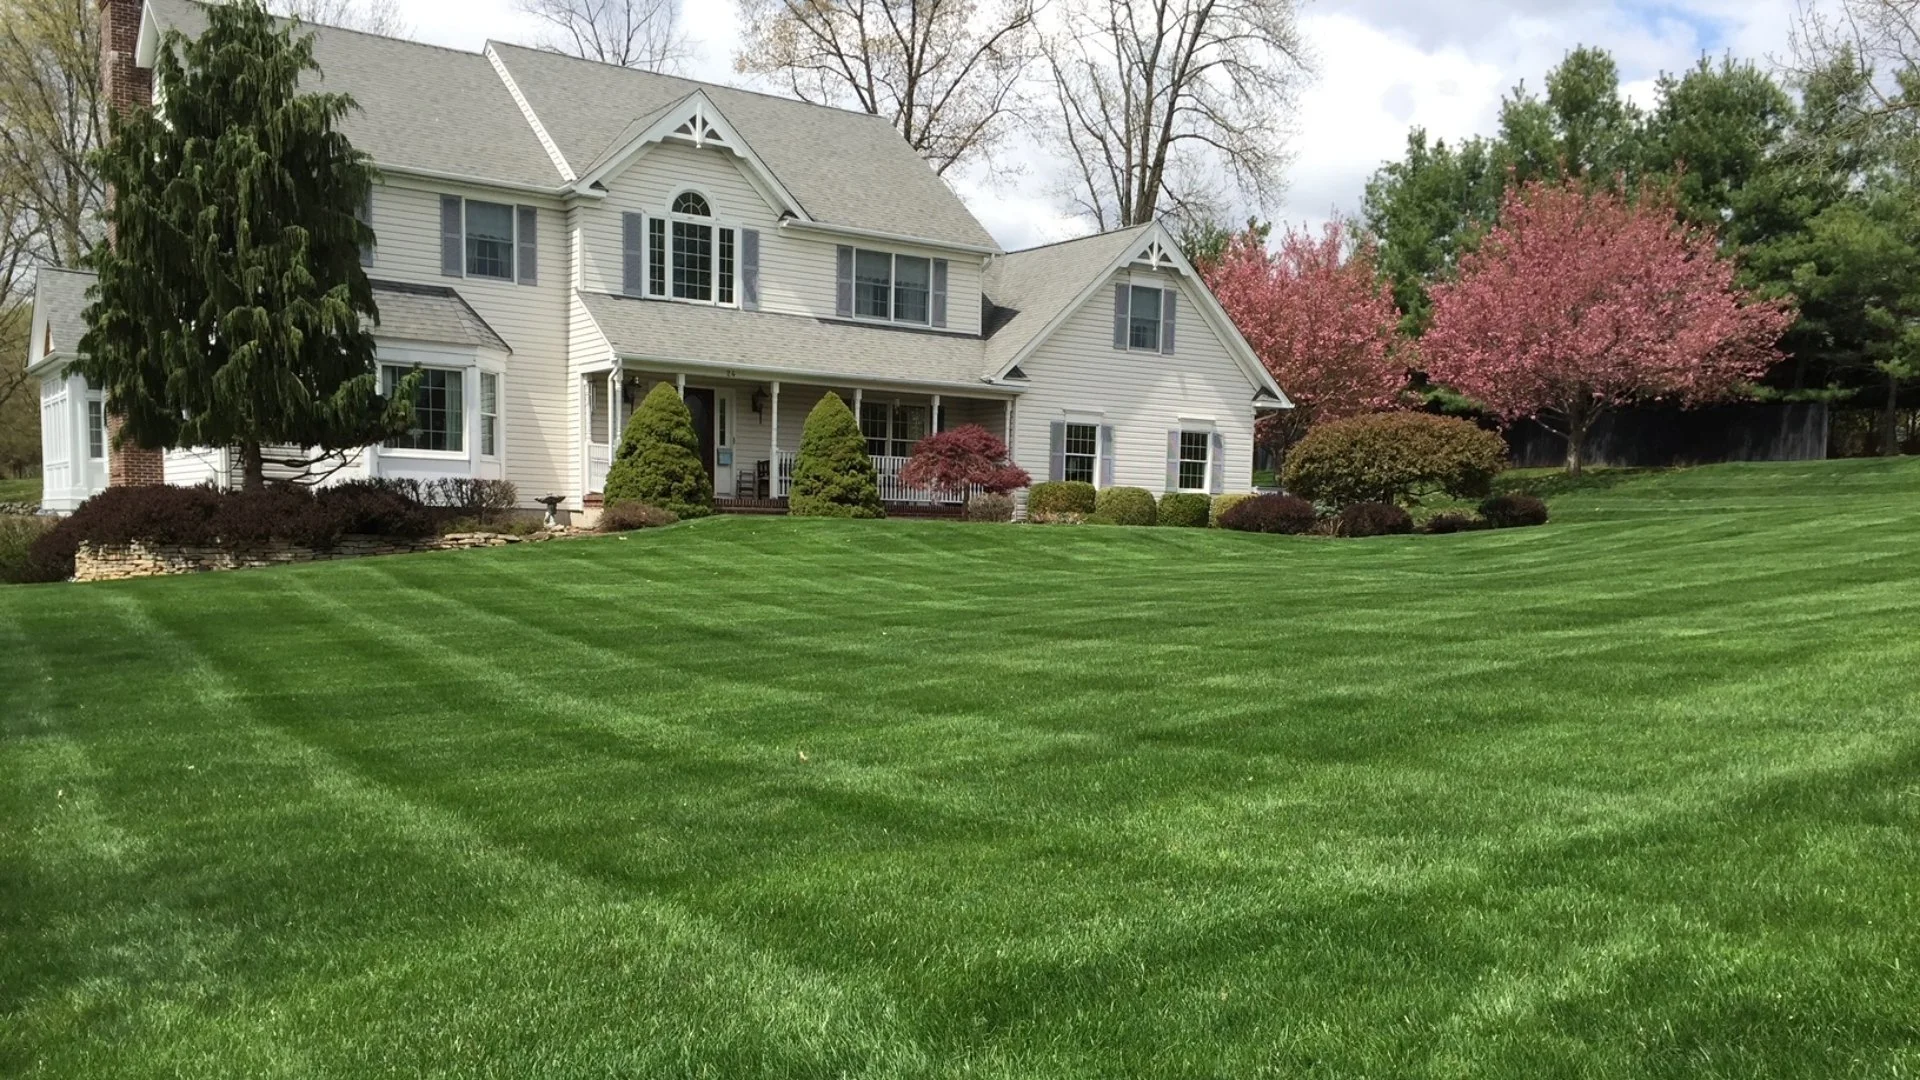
{"x":1384,"y":65}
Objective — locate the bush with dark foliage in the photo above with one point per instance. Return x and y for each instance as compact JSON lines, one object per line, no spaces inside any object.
{"x":951,"y":461}
{"x":1124,"y":506}
{"x":1061,"y":497}
{"x":375,"y":508}
{"x":989,"y":506}
{"x":1224,"y":503}
{"x":1185,"y":509}
{"x":248,"y":519}
{"x":1394,"y":457}
{"x":1372,"y":519}
{"x":1453,"y":521}
{"x":1514,"y":511}
{"x":1285,"y":514}
{"x":627,"y":516}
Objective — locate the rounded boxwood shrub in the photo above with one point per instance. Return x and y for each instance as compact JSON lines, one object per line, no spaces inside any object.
{"x":988,"y":506}
{"x":1285,"y":514}
{"x":1394,"y":457}
{"x":1061,"y":497}
{"x":1372,"y":519}
{"x":1185,"y":508}
{"x":1224,"y":503}
{"x":832,"y":474}
{"x":658,"y":461}
{"x":1453,"y":521}
{"x":1513,"y":511}
{"x":1124,"y":506}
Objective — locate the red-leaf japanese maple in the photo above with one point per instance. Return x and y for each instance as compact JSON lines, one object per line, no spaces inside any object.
{"x":1318,"y":315}
{"x":951,"y":461}
{"x":1582,"y":301}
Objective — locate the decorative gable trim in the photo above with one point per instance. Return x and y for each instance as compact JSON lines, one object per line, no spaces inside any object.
{"x":698,"y":122}
{"x":1158,"y":249}
{"x":532,"y":118}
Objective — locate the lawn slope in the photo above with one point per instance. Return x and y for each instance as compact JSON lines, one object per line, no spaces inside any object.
{"x":1636,"y":794}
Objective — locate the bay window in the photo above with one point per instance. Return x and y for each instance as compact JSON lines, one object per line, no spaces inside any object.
{"x":439,"y":411}
{"x":489,"y":414}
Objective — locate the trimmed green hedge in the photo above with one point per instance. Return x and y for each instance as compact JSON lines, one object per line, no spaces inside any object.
{"x":1185,"y":509}
{"x":1061,"y":497}
{"x":1394,"y":457}
{"x":1124,"y":506}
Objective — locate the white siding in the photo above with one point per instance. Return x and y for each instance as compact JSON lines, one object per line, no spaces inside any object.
{"x":797,"y":270}
{"x":538,"y":435}
{"x":199,"y":465}
{"x":1141,"y":395}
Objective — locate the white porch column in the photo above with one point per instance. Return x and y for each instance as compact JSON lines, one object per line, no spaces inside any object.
{"x":1009,"y":425}
{"x":616,"y":383}
{"x":773,"y":455}
{"x":933,"y":422}
{"x":680,"y":384}
{"x":856,"y":403}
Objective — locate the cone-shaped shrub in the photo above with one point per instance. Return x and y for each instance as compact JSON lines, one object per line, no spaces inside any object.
{"x":832,"y":475}
{"x":658,"y":462}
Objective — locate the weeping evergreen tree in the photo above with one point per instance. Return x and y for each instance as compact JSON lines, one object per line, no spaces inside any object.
{"x":231,"y":308}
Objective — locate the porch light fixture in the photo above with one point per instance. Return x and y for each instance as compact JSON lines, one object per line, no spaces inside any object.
{"x":759,"y":401}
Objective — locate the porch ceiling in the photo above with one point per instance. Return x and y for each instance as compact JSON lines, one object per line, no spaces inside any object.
{"x":766,"y":345}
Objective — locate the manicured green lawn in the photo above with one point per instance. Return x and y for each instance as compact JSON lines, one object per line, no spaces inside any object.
{"x":25,"y":489}
{"x":1636,"y":794}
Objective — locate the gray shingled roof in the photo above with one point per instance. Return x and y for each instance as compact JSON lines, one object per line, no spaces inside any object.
{"x":1039,"y":283}
{"x":421,"y":106}
{"x":845,"y":168}
{"x":61,"y":295}
{"x":769,"y":343}
{"x":430,"y":313}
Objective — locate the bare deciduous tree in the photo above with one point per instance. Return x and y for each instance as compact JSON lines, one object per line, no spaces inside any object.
{"x":371,"y":16}
{"x":642,"y":34}
{"x":49,"y":123}
{"x":1882,"y":37}
{"x":947,"y":73}
{"x":1158,"y":102}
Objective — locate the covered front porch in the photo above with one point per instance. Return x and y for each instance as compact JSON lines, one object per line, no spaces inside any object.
{"x":749,"y":430}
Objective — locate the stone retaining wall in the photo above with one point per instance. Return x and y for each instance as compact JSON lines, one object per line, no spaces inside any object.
{"x":115,"y":563}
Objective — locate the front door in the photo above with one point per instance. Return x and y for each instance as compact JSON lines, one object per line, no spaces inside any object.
{"x":699,"y":401}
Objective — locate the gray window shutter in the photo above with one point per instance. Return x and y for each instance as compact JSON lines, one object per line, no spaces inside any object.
{"x":843,"y":292}
{"x":1120,"y":315}
{"x":1173,"y":460}
{"x":453,"y":242}
{"x":1106,"y":456}
{"x":1219,"y":477}
{"x":633,"y":254}
{"x":366,"y":218}
{"x":527,"y":238}
{"x":1169,"y":303}
{"x":1057,"y":450}
{"x":939,"y":304}
{"x":750,"y":269}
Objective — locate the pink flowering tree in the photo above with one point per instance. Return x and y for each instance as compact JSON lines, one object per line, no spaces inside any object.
{"x":951,"y":461}
{"x":1317,"y":313}
{"x":1578,"y":302}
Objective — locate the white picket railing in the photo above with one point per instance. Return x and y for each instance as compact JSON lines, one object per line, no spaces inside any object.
{"x":886,"y":474}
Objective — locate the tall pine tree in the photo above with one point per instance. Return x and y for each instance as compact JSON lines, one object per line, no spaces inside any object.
{"x":231,"y":308}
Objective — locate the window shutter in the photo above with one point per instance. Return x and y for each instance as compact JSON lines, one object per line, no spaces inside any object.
{"x":1169,"y":303}
{"x":1057,"y":450}
{"x":1173,"y":460}
{"x":633,"y":255}
{"x":366,"y":218}
{"x":1106,"y":456}
{"x":843,"y":291}
{"x":939,"y":303}
{"x":1219,"y":471}
{"x":1120,"y":315}
{"x":750,"y":269}
{"x":453,"y":244}
{"x":527,"y":236}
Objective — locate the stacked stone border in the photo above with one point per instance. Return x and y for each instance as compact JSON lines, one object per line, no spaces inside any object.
{"x":119,"y":562}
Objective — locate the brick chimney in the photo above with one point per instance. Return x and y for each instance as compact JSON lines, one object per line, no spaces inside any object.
{"x":125,"y":85}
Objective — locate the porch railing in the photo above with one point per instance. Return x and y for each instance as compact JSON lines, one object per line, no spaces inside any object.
{"x":886,"y":473}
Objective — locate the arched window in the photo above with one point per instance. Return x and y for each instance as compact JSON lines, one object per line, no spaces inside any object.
{"x":701,"y":256}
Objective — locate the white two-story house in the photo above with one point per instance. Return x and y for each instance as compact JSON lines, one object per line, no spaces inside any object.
{"x":555,"y":236}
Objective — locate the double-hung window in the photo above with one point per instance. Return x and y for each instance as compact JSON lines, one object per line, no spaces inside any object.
{"x":1082,"y":453}
{"x":487,"y":240}
{"x":690,"y":253}
{"x":96,"y":429}
{"x":1196,"y":460}
{"x":1143,"y":319}
{"x":439,"y":410}
{"x":489,"y":414}
{"x":897,"y":288}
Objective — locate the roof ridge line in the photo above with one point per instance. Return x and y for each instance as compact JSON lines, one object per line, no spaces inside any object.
{"x":1080,"y":239}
